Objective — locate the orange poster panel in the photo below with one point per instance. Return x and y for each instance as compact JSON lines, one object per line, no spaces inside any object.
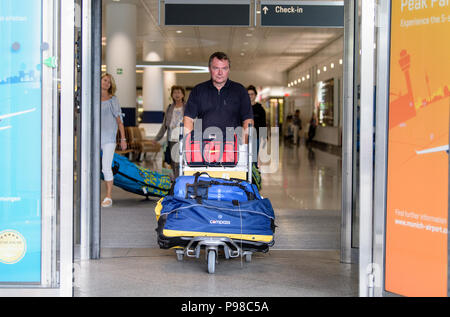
{"x":417,"y":180}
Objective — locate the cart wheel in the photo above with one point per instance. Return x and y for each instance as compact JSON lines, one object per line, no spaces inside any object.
{"x":248,"y":257}
{"x":211,"y":261}
{"x":180,"y":256}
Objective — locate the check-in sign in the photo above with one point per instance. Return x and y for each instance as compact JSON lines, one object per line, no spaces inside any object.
{"x":329,"y":14}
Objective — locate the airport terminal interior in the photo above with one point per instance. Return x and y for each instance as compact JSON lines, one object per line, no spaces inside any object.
{"x":354,"y":157}
{"x":306,"y":196}
{"x":304,"y":189}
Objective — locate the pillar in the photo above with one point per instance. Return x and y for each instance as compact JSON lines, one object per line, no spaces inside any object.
{"x":153,"y":89}
{"x":121,"y":55}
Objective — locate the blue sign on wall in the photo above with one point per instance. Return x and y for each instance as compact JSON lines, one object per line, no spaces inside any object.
{"x":20,"y":141}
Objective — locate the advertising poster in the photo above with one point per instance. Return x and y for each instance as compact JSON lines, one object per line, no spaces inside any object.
{"x":20,"y":141}
{"x":417,"y":179}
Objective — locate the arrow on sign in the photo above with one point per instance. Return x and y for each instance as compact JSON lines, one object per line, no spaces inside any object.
{"x":265,"y":9}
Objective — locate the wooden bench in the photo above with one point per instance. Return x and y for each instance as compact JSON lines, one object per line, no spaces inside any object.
{"x":129,"y":151}
{"x":137,"y":145}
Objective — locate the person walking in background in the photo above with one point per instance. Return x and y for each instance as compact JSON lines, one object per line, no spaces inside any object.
{"x":312,"y":128}
{"x":259,"y":116}
{"x":172,"y":119}
{"x":289,"y":130}
{"x":111,"y":120}
{"x":297,"y":127}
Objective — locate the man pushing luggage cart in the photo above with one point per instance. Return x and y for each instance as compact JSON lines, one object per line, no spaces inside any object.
{"x":212,"y":213}
{"x":213,"y":204}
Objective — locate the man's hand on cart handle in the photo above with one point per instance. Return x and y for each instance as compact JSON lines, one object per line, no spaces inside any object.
{"x":188,"y":124}
{"x":246,"y":130}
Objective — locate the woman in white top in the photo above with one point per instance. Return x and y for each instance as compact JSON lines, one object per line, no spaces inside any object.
{"x":111,"y":120}
{"x":172,"y":119}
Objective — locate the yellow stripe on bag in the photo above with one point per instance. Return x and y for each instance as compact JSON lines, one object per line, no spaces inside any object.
{"x":177,"y":233}
{"x":158,"y":208}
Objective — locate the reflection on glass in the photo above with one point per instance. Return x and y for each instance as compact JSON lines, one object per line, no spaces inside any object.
{"x":324,"y":97}
{"x":20,"y":140}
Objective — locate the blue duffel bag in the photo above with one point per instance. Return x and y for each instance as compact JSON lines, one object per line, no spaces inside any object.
{"x":251,"y":221}
{"x":208,"y":188}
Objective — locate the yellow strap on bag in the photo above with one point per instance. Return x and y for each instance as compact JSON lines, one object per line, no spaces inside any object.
{"x":158,"y":208}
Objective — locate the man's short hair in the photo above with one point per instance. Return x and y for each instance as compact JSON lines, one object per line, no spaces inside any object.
{"x":220,"y":56}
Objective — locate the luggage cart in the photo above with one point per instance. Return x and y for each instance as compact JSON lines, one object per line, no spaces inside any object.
{"x":211,"y":244}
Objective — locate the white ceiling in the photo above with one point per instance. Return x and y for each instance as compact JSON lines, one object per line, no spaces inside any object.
{"x":270,"y":49}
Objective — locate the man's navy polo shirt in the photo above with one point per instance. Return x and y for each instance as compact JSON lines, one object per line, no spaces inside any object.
{"x":227,"y":107}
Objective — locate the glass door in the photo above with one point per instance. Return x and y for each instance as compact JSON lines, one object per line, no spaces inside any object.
{"x":34,"y":227}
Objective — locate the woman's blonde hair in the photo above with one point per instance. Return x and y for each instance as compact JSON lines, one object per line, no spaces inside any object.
{"x":112,"y":89}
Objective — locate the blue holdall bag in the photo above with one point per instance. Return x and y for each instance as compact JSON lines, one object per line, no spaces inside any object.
{"x":207,"y":188}
{"x":139,"y":180}
{"x":251,"y":222}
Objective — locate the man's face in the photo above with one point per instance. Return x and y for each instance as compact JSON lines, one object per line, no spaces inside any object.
{"x":219,"y":70}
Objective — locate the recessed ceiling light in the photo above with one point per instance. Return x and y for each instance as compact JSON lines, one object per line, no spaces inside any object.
{"x":332,"y":65}
{"x":179,"y":31}
{"x":190,"y":68}
{"x":249,"y":34}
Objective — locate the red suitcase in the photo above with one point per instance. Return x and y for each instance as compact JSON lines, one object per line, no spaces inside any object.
{"x":211,"y":152}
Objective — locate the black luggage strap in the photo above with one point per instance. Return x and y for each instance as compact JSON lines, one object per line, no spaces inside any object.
{"x":207,"y":184}
{"x":196,"y":185}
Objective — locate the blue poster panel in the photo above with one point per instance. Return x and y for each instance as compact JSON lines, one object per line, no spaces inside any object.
{"x":20,"y":141}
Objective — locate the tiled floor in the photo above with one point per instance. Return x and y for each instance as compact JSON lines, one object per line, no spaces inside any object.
{"x":305,"y":193}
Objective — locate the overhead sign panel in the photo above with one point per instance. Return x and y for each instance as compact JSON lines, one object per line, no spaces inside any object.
{"x":328,"y":14}
{"x":207,"y":13}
